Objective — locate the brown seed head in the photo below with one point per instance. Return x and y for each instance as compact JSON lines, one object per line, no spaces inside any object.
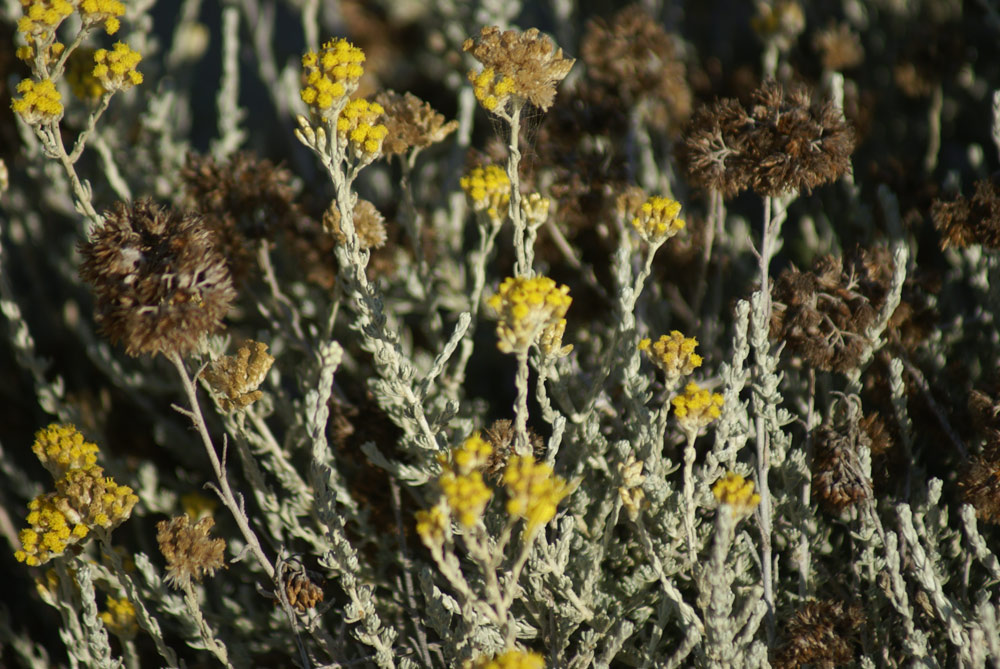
{"x":302,"y":593}
{"x":237,"y":377}
{"x":963,"y":222}
{"x":821,"y":634}
{"x":369,"y":224}
{"x":838,"y":482}
{"x":412,"y":123}
{"x":189,"y":551}
{"x":159,"y":283}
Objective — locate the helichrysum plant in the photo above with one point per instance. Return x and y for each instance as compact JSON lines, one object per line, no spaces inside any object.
{"x":417,"y":335}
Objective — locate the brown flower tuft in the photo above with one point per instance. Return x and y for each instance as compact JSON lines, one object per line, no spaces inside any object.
{"x":636,"y":59}
{"x":823,"y":315}
{"x":242,"y":200}
{"x":964,"y":222}
{"x":159,"y":282}
{"x":236,"y":378}
{"x":839,"y":47}
{"x":821,"y":634}
{"x":979,"y":481}
{"x":838,"y":482}
{"x":369,"y":224}
{"x":783,"y":143}
{"x":302,"y":593}
{"x":529,"y":59}
{"x":500,"y":435}
{"x":189,"y":551}
{"x":412,"y":123}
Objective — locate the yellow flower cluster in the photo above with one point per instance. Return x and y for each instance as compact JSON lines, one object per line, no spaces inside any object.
{"x":102,"y":11}
{"x":736,"y":492}
{"x":80,"y":75}
{"x":331,"y":75}
{"x":462,"y":481}
{"x":432,"y":525}
{"x":40,"y":102}
{"x":527,"y":309}
{"x":119,"y":618}
{"x":488,"y":189}
{"x":673,"y":353}
{"x":492,"y":89}
{"x":42,"y":17}
{"x":116,"y":69}
{"x":534,"y":491}
{"x":62,"y":447}
{"x":512,"y":659}
{"x":697,"y":407}
{"x":657,"y":221}
{"x":359,"y":124}
{"x":84,"y":498}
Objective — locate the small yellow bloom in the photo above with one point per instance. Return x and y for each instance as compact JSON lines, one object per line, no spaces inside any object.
{"x":736,"y":492}
{"x":488,"y":189}
{"x":107,"y":12}
{"x":512,"y":659}
{"x":432,"y":526}
{"x":360,"y":124}
{"x":119,"y":618}
{"x":331,"y":75}
{"x":62,"y":447}
{"x":527,"y":308}
{"x":657,"y":220}
{"x":534,"y":491}
{"x":40,"y":103}
{"x":696,"y":408}
{"x":115,"y":69}
{"x":673,"y":353}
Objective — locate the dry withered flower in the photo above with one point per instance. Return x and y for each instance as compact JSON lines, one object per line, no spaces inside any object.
{"x":784,"y":142}
{"x":302,"y":593}
{"x":412,"y":123}
{"x":821,"y":634}
{"x":979,"y":481}
{"x":963,"y":222}
{"x":236,"y":378}
{"x":190,"y":552}
{"x":839,"y":47}
{"x":837,"y":479}
{"x":369,"y":224}
{"x":159,"y":282}
{"x":500,"y":435}
{"x":823,"y":315}
{"x":242,"y":200}
{"x":637,"y":60}
{"x":531,"y":62}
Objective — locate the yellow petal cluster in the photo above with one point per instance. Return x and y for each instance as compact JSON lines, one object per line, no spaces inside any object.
{"x":656,"y":220}
{"x":40,"y":102}
{"x":491,"y":89}
{"x":331,"y":75}
{"x":512,"y":659}
{"x":360,"y":124}
{"x":63,"y":447}
{"x":462,"y":483}
{"x":115,"y":69}
{"x":107,"y":12}
{"x":119,"y":618}
{"x":697,"y":407}
{"x":736,"y":492}
{"x":534,"y":491}
{"x":673,"y":353}
{"x":526,"y":309}
{"x":488,"y":189}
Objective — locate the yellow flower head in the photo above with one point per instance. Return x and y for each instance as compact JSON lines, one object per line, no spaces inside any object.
{"x":527,"y":308}
{"x":656,"y":220}
{"x":488,"y":189}
{"x":512,"y":659}
{"x":39,"y":103}
{"x":107,"y":12}
{"x":360,"y":124}
{"x":62,"y":447}
{"x":42,"y":17}
{"x":115,"y":69}
{"x":673,"y":353}
{"x":492,"y":90}
{"x":331,"y":76}
{"x":432,"y":526}
{"x":80,"y":75}
{"x":119,"y":618}
{"x":534,"y":491}
{"x":735,"y":491}
{"x":696,"y":408}
{"x":462,"y":480}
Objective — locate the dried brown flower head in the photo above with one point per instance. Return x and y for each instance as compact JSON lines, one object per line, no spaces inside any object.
{"x":369,"y":224}
{"x":979,"y":481}
{"x":529,"y":60}
{"x":500,"y":435}
{"x":636,"y":59}
{"x":839,"y":47}
{"x":189,"y":551}
{"x":963,"y":222}
{"x":160,"y":284}
{"x":837,"y":478}
{"x":412,"y":123}
{"x":236,"y":378}
{"x":823,"y":315}
{"x":821,"y":634}
{"x":302,"y":593}
{"x":242,"y":200}
{"x":783,"y":143}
